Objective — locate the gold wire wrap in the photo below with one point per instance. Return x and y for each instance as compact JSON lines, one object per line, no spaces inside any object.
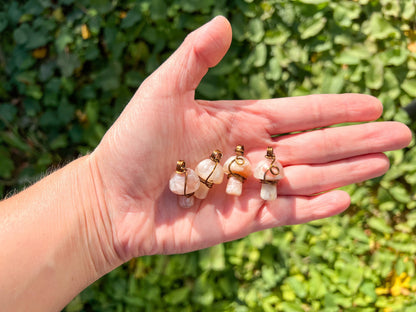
{"x":239,"y":150}
{"x":180,"y":166}
{"x":239,"y":160}
{"x":274,"y":170}
{"x":215,"y":157}
{"x":181,"y":169}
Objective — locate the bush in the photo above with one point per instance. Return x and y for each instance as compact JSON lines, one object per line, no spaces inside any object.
{"x":68,"y":67}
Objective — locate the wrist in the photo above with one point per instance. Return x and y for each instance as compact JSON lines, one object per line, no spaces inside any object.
{"x":56,"y":239}
{"x":95,"y":219}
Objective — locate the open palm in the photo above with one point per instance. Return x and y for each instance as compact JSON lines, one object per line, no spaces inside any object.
{"x":164,"y":123}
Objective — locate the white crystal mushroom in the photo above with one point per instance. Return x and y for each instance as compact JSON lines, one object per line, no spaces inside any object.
{"x":269,"y":172}
{"x":184,"y":182}
{"x":238,"y":168}
{"x":210,"y":172}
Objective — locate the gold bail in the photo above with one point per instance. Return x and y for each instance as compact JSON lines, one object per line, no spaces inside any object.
{"x":270,"y":153}
{"x":180,"y":166}
{"x":239,"y":150}
{"x":216,"y":156}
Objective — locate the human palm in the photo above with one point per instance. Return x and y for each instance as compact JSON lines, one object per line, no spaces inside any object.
{"x":164,"y":123}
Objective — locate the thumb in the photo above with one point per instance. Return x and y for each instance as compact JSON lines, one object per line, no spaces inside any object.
{"x":201,"y":49}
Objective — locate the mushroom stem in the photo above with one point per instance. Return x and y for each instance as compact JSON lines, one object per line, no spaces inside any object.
{"x":268,"y":191}
{"x":234,"y":186}
{"x":202,"y":192}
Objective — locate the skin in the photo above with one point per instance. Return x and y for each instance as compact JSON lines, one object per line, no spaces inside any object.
{"x":101,"y":210}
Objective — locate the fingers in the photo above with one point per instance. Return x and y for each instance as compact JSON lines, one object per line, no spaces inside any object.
{"x":287,"y":210}
{"x":202,"y":49}
{"x":331,"y":144}
{"x":304,"y":112}
{"x":308,"y":112}
{"x":312,"y":179}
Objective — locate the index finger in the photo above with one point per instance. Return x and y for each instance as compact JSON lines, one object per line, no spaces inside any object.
{"x":284,"y":115}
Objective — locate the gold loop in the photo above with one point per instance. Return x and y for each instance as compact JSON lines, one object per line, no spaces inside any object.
{"x":180,"y":166}
{"x":206,"y":182}
{"x":239,"y":150}
{"x":270,"y":153}
{"x":274,"y":170}
{"x":239,"y":160}
{"x":216,"y":156}
{"x":236,"y":175}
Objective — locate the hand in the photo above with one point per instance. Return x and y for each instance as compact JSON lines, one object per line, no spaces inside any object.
{"x":164,"y":123}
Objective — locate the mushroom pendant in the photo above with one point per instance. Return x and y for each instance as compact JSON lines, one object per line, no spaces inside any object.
{"x":237,"y":168}
{"x":269,"y":172}
{"x":184,"y":182}
{"x":210,"y":172}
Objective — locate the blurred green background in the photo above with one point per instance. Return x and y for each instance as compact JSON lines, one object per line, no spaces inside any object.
{"x":68,"y":67}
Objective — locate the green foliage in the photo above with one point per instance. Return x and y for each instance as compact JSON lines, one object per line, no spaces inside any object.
{"x":68,"y":67}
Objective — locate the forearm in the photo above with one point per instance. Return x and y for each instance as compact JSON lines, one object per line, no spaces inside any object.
{"x":54,"y":241}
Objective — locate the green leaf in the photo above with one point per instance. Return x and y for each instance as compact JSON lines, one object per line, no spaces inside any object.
{"x":102,"y":6}
{"x":203,"y":292}
{"x":60,"y":141}
{"x":8,"y":112}
{"x":353,"y":55}
{"x":22,"y":34}
{"x":375,"y":73}
{"x":408,"y":10}
{"x":395,"y":56}
{"x":274,"y":70}
{"x":260,"y":53}
{"x":6,"y":164}
{"x":132,"y":18}
{"x":37,"y":40}
{"x":312,"y":27}
{"x":356,"y":275}
{"x":191,"y":6}
{"x":255,"y":30}
{"x":332,"y":84}
{"x":67,"y":63}
{"x":212,"y":258}
{"x":259,"y":87}
{"x":379,"y":28}
{"x":177,"y":295}
{"x":390,"y":8}
{"x":379,"y":224}
{"x":358,"y":234}
{"x":317,"y":287}
{"x":3,"y":21}
{"x":158,"y":9}
{"x":346,"y":12}
{"x":49,"y":119}
{"x":315,"y":2}
{"x":409,"y":86}
{"x":276,"y":36}
{"x":400,"y":194}
{"x":298,"y":285}
{"x":62,"y":40}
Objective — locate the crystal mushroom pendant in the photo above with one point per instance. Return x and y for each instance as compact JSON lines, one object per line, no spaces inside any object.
{"x":184,"y":182}
{"x":269,"y":172}
{"x":210,"y":172}
{"x":237,"y":168}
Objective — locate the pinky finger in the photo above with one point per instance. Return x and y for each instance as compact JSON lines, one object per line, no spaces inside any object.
{"x":288,"y":210}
